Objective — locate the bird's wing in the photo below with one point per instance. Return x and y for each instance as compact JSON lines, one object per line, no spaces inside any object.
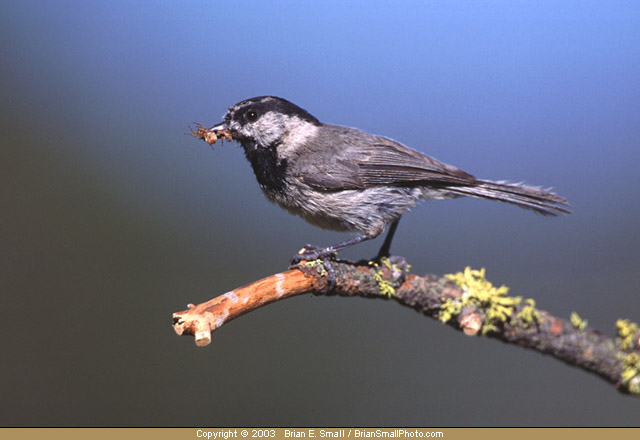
{"x":333,"y":175}
{"x":380,"y":162}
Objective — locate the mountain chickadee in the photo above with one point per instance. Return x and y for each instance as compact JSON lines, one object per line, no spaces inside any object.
{"x":344,"y":179}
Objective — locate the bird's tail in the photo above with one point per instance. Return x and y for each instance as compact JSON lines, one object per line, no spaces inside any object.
{"x":541,"y":200}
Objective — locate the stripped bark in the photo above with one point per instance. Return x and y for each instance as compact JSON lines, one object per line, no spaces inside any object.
{"x":518,"y":322}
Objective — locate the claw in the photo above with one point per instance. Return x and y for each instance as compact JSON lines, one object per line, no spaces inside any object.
{"x":309,"y":253}
{"x":331,"y":275}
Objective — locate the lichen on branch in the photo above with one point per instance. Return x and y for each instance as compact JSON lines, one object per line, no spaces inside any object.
{"x":466,"y":301}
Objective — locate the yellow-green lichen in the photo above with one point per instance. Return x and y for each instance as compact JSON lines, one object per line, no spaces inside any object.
{"x":577,"y":322}
{"x":394,"y":268}
{"x":386,"y":263}
{"x":626,"y":331}
{"x":384,"y":286}
{"x":529,"y":314}
{"x":449,"y":309}
{"x":318,"y":265}
{"x":478,"y":291}
{"x":631,"y":373}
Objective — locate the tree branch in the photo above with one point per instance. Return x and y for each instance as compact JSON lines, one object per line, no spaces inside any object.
{"x":466,"y":301}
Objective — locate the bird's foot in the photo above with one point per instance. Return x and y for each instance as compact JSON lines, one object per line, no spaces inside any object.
{"x":310,"y":252}
{"x":325,"y":255}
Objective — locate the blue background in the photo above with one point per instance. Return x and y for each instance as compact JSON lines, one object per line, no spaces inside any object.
{"x":112,"y":219}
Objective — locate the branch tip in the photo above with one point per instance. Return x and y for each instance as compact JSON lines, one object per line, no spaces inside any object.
{"x":466,"y":301}
{"x":203,"y":338}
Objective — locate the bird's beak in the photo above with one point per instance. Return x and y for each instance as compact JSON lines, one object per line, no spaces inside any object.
{"x":222,"y":129}
{"x":219,"y":126}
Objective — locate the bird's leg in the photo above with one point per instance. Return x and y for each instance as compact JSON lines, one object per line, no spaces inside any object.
{"x":384,"y":250}
{"x":397,"y":264}
{"x":310,"y":252}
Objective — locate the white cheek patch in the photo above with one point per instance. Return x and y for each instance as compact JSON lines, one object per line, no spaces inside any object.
{"x":288,"y":131}
{"x":299,"y":133}
{"x":268,"y":129}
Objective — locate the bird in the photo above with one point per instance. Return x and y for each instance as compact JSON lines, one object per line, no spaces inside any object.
{"x":344,"y":179}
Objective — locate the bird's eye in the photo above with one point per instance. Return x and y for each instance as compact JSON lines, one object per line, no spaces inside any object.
{"x":252,"y":116}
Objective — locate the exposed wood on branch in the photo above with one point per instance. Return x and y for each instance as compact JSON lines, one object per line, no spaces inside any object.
{"x":465,"y":301}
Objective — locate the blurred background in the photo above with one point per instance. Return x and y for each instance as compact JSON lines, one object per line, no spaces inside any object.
{"x":112,"y":219}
